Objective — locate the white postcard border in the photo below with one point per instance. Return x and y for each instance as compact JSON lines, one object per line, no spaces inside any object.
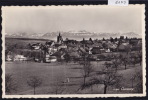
{"x":73,"y":95}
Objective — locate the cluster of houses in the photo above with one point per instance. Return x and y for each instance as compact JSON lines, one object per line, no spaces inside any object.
{"x":53,"y":51}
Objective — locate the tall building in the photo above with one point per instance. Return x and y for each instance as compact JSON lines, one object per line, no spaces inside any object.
{"x":59,"y":39}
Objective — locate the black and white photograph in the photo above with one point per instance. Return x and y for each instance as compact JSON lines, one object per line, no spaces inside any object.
{"x":73,"y":51}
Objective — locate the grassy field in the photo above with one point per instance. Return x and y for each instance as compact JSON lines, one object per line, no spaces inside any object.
{"x":51,"y":73}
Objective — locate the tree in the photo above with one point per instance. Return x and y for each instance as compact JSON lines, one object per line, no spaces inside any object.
{"x":10,"y":85}
{"x":134,"y":59}
{"x":140,"y":56}
{"x":67,"y":57}
{"x":87,"y":68}
{"x":111,"y":39}
{"x":83,"y":40}
{"x":85,"y":72}
{"x":116,"y":39}
{"x":126,"y":38}
{"x":90,"y":40}
{"x":116,"y":62}
{"x":34,"y":82}
{"x":125,"y":61}
{"x":127,"y":48}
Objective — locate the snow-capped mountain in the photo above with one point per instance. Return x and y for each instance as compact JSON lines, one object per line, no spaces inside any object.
{"x":131,"y":34}
{"x":78,"y":35}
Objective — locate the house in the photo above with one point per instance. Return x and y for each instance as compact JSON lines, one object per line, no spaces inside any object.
{"x":97,"y":50}
{"x":53,"y":58}
{"x":107,"y":50}
{"x":62,"y":46}
{"x":112,"y":47}
{"x":8,"y":55}
{"x":124,"y":47}
{"x":59,"y":54}
{"x":52,"y":50}
{"x":20,"y":58}
{"x":50,"y":43}
{"x":102,"y":50}
{"x":9,"y":58}
{"x":36,"y":46}
{"x":50,"y":59}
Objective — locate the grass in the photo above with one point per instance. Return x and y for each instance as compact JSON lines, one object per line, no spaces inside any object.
{"x":49,"y":72}
{"x":53,"y":72}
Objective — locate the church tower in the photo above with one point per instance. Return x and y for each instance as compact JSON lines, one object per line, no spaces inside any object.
{"x":59,"y":39}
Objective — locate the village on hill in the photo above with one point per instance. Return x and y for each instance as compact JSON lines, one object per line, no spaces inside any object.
{"x":68,"y":49}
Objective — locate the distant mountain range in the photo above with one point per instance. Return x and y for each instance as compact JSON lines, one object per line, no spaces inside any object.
{"x":78,"y":35}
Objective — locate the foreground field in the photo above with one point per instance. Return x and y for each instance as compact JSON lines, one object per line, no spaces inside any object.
{"x":51,"y":73}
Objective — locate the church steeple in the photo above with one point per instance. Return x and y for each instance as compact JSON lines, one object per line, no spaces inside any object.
{"x":59,"y":34}
{"x":59,"y":38}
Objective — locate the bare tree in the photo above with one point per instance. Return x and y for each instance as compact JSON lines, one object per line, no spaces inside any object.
{"x":34,"y":82}
{"x":125,"y":62}
{"x":10,"y":84}
{"x":84,"y":74}
{"x":134,"y":60}
{"x":86,"y":70}
{"x":116,"y":63}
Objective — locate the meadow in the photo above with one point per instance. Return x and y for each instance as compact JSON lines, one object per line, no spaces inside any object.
{"x":51,"y":73}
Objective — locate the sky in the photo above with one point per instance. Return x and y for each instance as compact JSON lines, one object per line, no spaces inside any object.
{"x":48,"y":19}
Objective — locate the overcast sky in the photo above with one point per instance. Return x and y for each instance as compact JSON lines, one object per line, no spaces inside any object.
{"x":89,"y":18}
